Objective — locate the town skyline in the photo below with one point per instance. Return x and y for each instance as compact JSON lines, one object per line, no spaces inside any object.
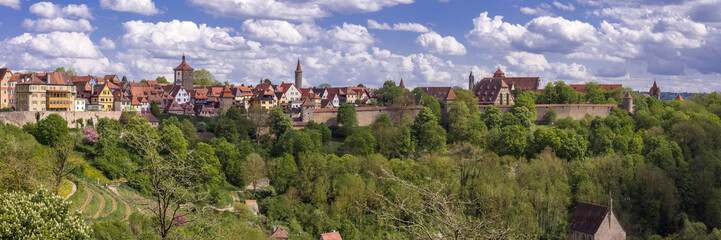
{"x":429,"y":43}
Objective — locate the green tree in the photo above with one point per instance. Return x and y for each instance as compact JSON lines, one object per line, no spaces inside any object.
{"x":154,"y":109}
{"x":463,"y":125}
{"x":70,"y":71}
{"x":512,"y":141}
{"x":203,"y":77}
{"x":361,"y":142}
{"x":162,"y":80}
{"x":432,"y":138}
{"x":255,"y":169}
{"x":125,"y":79}
{"x":173,"y":138}
{"x":279,"y":122}
{"x":281,"y":171}
{"x":492,"y":117}
{"x":39,"y":215}
{"x":388,"y":93}
{"x":321,"y":128}
{"x":189,"y":131}
{"x":347,"y":119}
{"x":51,"y":130}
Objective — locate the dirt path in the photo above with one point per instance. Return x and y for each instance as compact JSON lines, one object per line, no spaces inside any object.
{"x":72,"y":191}
{"x":88,"y":199}
{"x":101,"y":206}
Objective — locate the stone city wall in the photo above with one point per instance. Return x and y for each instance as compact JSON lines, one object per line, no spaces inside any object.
{"x":20,"y":118}
{"x":366,"y":115}
{"x":575,"y":111}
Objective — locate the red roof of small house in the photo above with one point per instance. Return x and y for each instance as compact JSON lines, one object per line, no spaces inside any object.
{"x":587,"y":217}
{"x":284,"y":87}
{"x":174,"y":106}
{"x":263,"y":86}
{"x":331,"y":236}
{"x":678,"y":97}
{"x":278,"y":232}
{"x":440,"y":93}
{"x":226,"y":93}
{"x":56,"y":78}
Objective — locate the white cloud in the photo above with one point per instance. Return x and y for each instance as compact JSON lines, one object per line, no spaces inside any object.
{"x":541,"y":10}
{"x":341,"y":55}
{"x":106,"y":43}
{"x":273,"y":31}
{"x":435,"y":43}
{"x":58,"y":24}
{"x":290,"y":9}
{"x":536,"y":64}
{"x":541,"y":34}
{"x":411,"y":27}
{"x":354,"y":38}
{"x":54,"y":17}
{"x":144,"y":7}
{"x":14,"y":4}
{"x":41,"y":52}
{"x":50,"y":10}
{"x":566,"y":7}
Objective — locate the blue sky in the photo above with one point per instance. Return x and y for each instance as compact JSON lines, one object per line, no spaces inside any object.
{"x":343,"y":42}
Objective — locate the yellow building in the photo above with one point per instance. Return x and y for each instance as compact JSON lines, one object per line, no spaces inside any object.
{"x":39,"y":96}
{"x":102,"y":96}
{"x":7,"y":88}
{"x":264,"y":99}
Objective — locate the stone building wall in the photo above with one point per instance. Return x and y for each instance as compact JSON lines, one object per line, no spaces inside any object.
{"x":21,"y":118}
{"x":576,"y":111}
{"x":366,"y":115}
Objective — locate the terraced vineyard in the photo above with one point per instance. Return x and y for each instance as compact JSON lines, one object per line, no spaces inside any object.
{"x":98,"y":202}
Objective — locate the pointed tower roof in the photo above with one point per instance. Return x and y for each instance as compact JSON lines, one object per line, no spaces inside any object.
{"x":499,"y":73}
{"x":471,"y":75}
{"x":183,"y":66}
{"x":654,"y":89}
{"x":298,"y":69}
{"x":402,"y":85}
{"x":678,"y":97}
{"x":628,"y":95}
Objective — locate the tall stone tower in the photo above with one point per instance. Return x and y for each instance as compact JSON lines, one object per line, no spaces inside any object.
{"x":628,"y":103}
{"x":184,"y":75}
{"x":298,"y":76}
{"x":471,"y":81}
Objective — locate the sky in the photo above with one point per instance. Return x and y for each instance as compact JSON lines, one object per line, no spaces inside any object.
{"x":347,"y":42}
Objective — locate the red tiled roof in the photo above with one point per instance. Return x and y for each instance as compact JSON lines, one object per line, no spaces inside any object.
{"x":278,"y":232}
{"x":330,"y":236}
{"x":402,"y":85}
{"x":183,"y":66}
{"x":488,"y":89}
{"x":678,"y":97}
{"x":587,"y":217}
{"x":226,"y":93}
{"x":440,"y":93}
{"x":297,"y":69}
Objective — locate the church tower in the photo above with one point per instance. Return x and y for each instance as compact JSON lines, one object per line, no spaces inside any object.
{"x":655,"y":91}
{"x":471,"y":81}
{"x":184,"y":75}
{"x":298,"y":76}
